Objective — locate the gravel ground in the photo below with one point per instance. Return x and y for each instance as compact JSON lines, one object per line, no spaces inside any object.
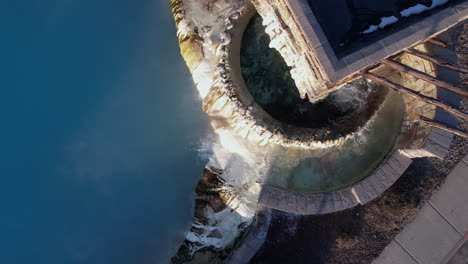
{"x":359,"y":235}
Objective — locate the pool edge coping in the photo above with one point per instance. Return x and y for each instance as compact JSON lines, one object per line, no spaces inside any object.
{"x":359,"y":193}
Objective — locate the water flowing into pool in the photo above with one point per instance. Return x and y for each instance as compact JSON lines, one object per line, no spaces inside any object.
{"x":100,"y":129}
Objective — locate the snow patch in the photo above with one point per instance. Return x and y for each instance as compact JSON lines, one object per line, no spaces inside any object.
{"x":414,"y":10}
{"x":419,"y":8}
{"x":384,"y":21}
{"x":243,"y":171}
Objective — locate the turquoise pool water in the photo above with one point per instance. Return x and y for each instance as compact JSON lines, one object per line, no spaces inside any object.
{"x":316,"y":171}
{"x":313,"y":171}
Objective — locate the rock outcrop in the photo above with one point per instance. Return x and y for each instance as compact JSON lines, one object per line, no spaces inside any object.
{"x":224,"y":204}
{"x":205,"y":33}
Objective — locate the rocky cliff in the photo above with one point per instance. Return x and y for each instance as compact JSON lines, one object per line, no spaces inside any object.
{"x":225,"y":202}
{"x":210,"y":35}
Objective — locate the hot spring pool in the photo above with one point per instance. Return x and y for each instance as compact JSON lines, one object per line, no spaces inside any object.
{"x":314,"y":171}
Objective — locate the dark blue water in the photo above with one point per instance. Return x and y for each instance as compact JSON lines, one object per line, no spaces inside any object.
{"x":99,"y":126}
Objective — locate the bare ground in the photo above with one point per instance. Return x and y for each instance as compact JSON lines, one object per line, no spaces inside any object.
{"x":359,"y":235}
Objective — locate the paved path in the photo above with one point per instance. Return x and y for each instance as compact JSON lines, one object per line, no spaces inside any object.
{"x":439,"y":232}
{"x":254,"y":239}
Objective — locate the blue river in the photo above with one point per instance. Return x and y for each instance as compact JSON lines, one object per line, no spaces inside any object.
{"x":100,"y":124}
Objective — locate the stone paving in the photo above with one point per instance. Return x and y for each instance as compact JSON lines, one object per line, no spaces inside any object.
{"x":437,"y":145}
{"x":360,"y":193}
{"x":439,"y":232}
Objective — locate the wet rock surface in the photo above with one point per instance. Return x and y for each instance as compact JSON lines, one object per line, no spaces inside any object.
{"x":209,"y":198}
{"x":208,"y":190}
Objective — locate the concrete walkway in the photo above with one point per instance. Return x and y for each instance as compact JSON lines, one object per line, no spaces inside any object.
{"x":439,"y":232}
{"x":253,"y":240}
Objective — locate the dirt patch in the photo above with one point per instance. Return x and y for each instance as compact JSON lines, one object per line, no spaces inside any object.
{"x":359,"y":235}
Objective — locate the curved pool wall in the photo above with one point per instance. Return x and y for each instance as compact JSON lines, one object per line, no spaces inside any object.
{"x":246,"y":117}
{"x":338,"y":167}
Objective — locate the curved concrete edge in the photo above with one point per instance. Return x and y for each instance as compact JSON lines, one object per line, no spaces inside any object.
{"x":360,"y":193}
{"x":253,"y":240}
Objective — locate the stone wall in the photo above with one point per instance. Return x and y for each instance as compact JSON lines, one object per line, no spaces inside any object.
{"x":284,"y":32}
